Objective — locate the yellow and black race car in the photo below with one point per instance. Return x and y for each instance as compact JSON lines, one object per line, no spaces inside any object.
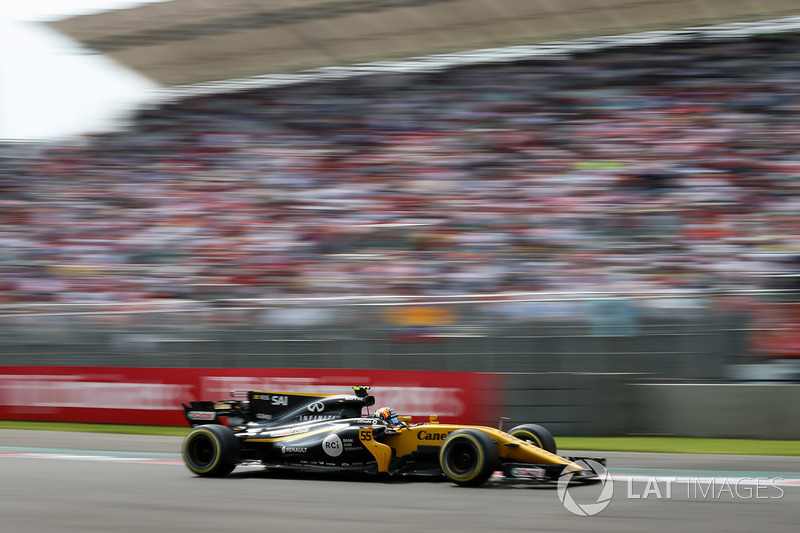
{"x":331,"y":432}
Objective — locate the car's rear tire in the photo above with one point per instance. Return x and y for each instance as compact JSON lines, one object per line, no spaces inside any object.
{"x":535,"y":434}
{"x":468,"y":457}
{"x":211,"y":450}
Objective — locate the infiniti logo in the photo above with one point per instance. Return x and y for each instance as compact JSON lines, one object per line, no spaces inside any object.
{"x":587,"y":509}
{"x":316,"y":407}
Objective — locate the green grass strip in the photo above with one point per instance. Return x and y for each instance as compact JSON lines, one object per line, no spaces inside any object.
{"x":658,"y":444}
{"x":96,"y":428}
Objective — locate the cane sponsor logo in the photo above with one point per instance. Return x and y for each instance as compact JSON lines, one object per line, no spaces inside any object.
{"x":587,"y":509}
{"x":332,"y":445}
{"x":431,"y":435}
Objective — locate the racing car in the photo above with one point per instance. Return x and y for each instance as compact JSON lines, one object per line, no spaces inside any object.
{"x":334,"y":433}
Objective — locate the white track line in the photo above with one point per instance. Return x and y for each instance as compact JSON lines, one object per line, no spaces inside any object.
{"x":78,"y":457}
{"x":740,"y":480}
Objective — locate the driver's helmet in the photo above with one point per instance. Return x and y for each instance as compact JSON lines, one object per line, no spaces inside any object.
{"x":388,"y":415}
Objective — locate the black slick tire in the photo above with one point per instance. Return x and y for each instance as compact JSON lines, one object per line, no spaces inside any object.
{"x":535,"y":434}
{"x":468,"y":457}
{"x":211,"y":450}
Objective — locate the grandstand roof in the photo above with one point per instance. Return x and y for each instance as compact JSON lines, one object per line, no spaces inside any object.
{"x":194,"y":41}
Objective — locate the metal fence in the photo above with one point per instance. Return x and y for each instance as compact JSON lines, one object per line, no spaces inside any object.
{"x":682,"y":335}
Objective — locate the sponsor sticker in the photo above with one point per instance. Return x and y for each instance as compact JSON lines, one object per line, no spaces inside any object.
{"x":316,"y":407}
{"x":332,"y":445}
{"x":202,"y":415}
{"x":288,"y":431}
{"x":432,"y":435}
{"x":306,"y":418}
{"x":293,"y":449}
{"x":527,"y":472}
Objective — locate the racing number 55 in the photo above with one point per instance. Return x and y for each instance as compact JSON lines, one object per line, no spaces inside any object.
{"x":381,"y":452}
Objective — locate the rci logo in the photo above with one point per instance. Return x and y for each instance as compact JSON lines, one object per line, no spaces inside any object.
{"x":587,"y":509}
{"x":332,"y":445}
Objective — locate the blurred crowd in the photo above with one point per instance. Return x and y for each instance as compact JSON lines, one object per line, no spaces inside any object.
{"x":630,"y":171}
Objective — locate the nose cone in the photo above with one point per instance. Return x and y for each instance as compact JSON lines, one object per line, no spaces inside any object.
{"x":521,"y":451}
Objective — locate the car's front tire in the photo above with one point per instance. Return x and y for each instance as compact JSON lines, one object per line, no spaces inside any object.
{"x":211,"y":450}
{"x":468,"y":457}
{"x":536,"y":435}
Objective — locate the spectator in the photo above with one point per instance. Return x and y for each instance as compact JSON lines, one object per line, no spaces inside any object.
{"x":656,"y":171}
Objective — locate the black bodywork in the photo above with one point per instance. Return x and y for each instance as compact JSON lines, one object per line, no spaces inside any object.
{"x":337,"y":433}
{"x":303,"y":430}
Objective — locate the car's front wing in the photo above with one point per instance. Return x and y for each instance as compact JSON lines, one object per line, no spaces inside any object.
{"x":551,"y":472}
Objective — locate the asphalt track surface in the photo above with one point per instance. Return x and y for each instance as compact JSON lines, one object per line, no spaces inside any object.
{"x":75,"y":482}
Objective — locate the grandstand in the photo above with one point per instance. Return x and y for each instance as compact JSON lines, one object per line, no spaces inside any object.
{"x":184,"y":42}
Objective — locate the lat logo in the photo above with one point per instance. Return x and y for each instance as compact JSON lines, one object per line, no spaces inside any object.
{"x":587,"y":509}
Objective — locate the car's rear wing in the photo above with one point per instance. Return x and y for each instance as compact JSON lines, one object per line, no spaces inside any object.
{"x":207,"y":412}
{"x":269,"y":406}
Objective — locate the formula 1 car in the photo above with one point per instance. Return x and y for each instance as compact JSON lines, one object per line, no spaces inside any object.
{"x":332,"y":433}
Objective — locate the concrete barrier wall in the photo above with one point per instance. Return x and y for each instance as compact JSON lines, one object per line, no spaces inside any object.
{"x":759,"y":411}
{"x":567,"y":403}
{"x":614,"y":404}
